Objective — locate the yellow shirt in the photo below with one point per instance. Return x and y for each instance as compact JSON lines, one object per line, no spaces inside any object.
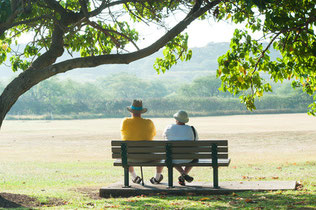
{"x":137,"y":128}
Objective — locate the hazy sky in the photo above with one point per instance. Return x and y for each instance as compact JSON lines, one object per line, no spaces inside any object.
{"x":200,"y":33}
{"x":203,"y":32}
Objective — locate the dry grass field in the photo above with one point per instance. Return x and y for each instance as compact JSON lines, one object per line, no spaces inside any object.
{"x":255,"y":138}
{"x":62,"y":164}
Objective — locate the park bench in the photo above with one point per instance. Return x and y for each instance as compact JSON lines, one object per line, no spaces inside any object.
{"x":207,"y":153}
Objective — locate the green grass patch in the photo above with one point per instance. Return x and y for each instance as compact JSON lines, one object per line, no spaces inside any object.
{"x":77,"y":184}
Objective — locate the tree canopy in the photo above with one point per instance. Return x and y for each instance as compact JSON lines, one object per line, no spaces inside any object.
{"x":289,"y":27}
{"x":100,"y":30}
{"x":103,"y":33}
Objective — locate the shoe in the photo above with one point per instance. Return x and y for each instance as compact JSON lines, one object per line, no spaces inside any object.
{"x":153,"y":180}
{"x":137,"y":180}
{"x":187,"y":177}
{"x":181,"y":181}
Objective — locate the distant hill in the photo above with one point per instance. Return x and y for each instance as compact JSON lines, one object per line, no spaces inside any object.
{"x":204,"y":61}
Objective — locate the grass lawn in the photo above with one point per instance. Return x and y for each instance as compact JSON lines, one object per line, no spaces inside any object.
{"x":63,"y":164}
{"x":76,"y":184}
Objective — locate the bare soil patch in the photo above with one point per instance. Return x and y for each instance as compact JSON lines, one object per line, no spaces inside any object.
{"x":91,"y":192}
{"x":9,"y":200}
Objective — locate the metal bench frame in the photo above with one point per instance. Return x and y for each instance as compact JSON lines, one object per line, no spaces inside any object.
{"x":215,"y":160}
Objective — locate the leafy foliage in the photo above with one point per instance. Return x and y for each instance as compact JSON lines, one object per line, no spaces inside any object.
{"x":100,"y":35}
{"x":178,"y":46}
{"x":288,"y":26}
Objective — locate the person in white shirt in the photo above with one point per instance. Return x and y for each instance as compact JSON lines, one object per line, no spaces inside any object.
{"x":177,"y":132}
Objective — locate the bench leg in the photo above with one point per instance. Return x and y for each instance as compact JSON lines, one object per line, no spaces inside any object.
{"x":141,"y":172}
{"x":126,"y":178}
{"x":215,"y":177}
{"x":170,"y":177}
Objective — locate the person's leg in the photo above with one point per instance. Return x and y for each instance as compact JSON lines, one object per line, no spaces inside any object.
{"x":180,"y":169}
{"x":184,"y":174}
{"x":132,"y":172}
{"x":135,"y":178}
{"x":187,"y":169}
{"x":158,"y":178}
{"x":159,"y":169}
{"x":181,"y":180}
{"x":158,"y":172}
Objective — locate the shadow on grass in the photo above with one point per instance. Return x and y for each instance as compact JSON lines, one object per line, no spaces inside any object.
{"x":258,"y":200}
{"x":10,"y":200}
{"x":6,"y":203}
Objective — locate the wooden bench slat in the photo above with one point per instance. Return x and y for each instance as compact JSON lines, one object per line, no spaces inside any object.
{"x":197,"y":149}
{"x":142,"y":156}
{"x":197,"y":156}
{"x":174,"y":150}
{"x":175,"y":143}
{"x":200,"y":163}
{"x":158,"y":156}
{"x":138,"y":150}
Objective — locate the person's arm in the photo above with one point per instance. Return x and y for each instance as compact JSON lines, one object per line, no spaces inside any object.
{"x":166,"y":133}
{"x":153,"y":129}
{"x":123,"y":129}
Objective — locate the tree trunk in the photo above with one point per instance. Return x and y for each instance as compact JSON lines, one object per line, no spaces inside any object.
{"x":16,"y":88}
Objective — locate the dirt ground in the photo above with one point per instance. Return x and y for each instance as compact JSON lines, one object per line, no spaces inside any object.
{"x":9,"y":200}
{"x":274,"y":137}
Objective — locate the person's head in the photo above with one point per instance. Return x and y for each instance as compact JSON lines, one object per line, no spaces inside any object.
{"x":136,"y":108}
{"x":181,"y":117}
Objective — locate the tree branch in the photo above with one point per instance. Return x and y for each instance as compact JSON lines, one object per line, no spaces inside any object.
{"x":106,"y":32}
{"x":30,"y":20}
{"x":265,"y":50}
{"x":56,"y":6}
{"x":127,"y":58}
{"x":105,"y":5}
{"x":84,"y":8}
{"x":56,"y":50}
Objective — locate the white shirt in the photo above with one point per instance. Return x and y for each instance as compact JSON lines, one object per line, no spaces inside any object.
{"x":175,"y":132}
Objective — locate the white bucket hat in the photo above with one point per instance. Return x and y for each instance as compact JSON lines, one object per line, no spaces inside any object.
{"x":181,"y":116}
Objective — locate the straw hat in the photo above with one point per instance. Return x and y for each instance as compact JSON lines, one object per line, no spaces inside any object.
{"x":181,"y":116}
{"x":137,"y":107}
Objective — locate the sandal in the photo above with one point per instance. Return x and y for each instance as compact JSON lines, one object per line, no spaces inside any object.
{"x":187,"y":177}
{"x":137,"y":180}
{"x":181,"y":181}
{"x":153,"y":180}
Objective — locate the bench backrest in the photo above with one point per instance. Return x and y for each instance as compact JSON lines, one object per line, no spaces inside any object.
{"x":157,"y":150}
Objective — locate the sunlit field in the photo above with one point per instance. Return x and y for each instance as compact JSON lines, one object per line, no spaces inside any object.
{"x":70,"y":160}
{"x":251,"y":137}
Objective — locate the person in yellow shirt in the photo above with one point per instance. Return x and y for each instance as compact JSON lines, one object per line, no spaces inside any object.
{"x":136,"y":128}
